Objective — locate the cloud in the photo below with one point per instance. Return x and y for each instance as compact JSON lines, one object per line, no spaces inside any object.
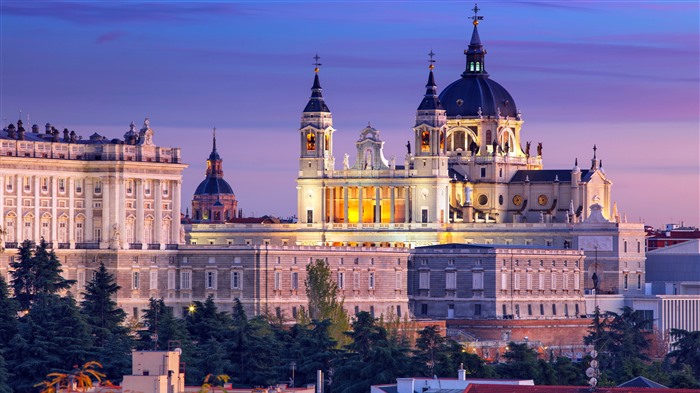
{"x":110,"y":36}
{"x":120,"y":12}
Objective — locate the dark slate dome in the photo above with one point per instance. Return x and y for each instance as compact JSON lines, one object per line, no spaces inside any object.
{"x":466,"y":95}
{"x":213,"y":185}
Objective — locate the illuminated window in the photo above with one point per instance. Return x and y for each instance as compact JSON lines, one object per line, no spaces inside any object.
{"x":478,"y":66}
{"x":471,"y":66}
{"x":310,"y":141}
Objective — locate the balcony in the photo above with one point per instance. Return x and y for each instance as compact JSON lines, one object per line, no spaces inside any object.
{"x":171,"y":246}
{"x":135,"y":246}
{"x":154,"y":246}
{"x":87,"y":246}
{"x":11,"y":245}
{"x":63,"y":246}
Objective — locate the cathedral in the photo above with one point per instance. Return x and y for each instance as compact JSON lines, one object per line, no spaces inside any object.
{"x":468,"y":224}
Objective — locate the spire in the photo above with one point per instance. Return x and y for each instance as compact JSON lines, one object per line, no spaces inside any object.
{"x":595,"y":163}
{"x":316,"y":103}
{"x":475,"y":53}
{"x":430,"y":101}
{"x":214,"y":154}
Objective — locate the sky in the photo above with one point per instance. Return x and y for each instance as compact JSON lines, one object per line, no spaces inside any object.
{"x":623,"y":75}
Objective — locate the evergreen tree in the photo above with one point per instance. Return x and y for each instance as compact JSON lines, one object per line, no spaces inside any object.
{"x":210,"y":332}
{"x":38,"y":271}
{"x":521,"y":363}
{"x":372,"y":358}
{"x":111,"y":339}
{"x":311,"y":348}
{"x":161,"y":327}
{"x":4,"y":376}
{"x":686,"y":350}
{"x":324,"y":302}
{"x":52,"y":337}
{"x":8,"y":315}
{"x":431,"y":356}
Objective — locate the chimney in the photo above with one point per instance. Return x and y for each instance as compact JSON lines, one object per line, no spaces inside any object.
{"x":404,"y":385}
{"x":461,"y":373}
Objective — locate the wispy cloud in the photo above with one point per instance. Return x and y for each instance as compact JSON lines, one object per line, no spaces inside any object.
{"x":122,"y":12}
{"x":110,"y":36}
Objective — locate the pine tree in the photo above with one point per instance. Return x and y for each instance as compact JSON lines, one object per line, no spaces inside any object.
{"x":38,"y":271}
{"x":52,"y":337}
{"x":4,"y":376}
{"x":8,"y":315}
{"x":105,"y":319}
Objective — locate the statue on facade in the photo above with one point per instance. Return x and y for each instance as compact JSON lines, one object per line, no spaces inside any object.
{"x":115,"y":240}
{"x":468,"y":193}
{"x":392,"y":163}
{"x":182,"y":234}
{"x":539,"y":149}
{"x":408,"y":147}
{"x":346,"y":161}
{"x":527,"y":149}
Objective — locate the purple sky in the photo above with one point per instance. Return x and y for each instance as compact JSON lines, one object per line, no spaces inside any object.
{"x":623,"y":75}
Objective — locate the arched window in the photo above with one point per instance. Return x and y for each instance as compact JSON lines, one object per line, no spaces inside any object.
{"x":310,"y":141}
{"x":471,"y":66}
{"x":488,"y":137}
{"x":478,"y":66}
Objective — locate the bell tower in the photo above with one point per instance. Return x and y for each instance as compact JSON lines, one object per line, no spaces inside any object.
{"x":429,"y":129}
{"x":316,"y":133}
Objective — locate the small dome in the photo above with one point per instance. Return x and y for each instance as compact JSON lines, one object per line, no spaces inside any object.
{"x":466,"y":95}
{"x":213,"y":186}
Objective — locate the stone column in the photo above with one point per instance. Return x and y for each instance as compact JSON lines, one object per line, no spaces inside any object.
{"x":20,"y":221}
{"x":392,"y":190}
{"x":88,"y":191}
{"x":139,"y":235}
{"x":176,"y":190}
{"x":2,"y":207}
{"x":331,"y":204}
{"x":158,"y":222}
{"x":377,"y":204}
{"x":345,"y":203}
{"x":407,"y":204}
{"x":359,"y":203}
{"x":106,"y":212}
{"x":37,"y":217}
{"x":54,"y":211}
{"x":71,"y":211}
{"x":121,"y":218}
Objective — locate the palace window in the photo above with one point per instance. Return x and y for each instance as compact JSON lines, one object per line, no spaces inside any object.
{"x":235,"y":280}
{"x":210,"y":280}
{"x":478,"y":280}
{"x":341,"y":280}
{"x":371,"y":280}
{"x":295,"y":281}
{"x":424,"y":280}
{"x":185,"y":280}
{"x":136,"y":280}
{"x":450,"y":280}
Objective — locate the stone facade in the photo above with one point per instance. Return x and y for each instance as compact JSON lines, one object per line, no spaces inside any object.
{"x":486,"y":282}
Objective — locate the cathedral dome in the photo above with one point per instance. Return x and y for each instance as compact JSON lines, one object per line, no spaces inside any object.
{"x":477,"y":95}
{"x":213,"y":186}
{"x":474,"y":94}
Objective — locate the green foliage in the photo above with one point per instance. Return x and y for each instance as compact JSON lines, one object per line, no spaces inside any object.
{"x":160,"y":327}
{"x":8,"y":315}
{"x":112,"y":340}
{"x":521,"y":363}
{"x":38,"y":271}
{"x":322,"y":295}
{"x":310,"y":348}
{"x":373,"y":358}
{"x":686,"y":350}
{"x":52,"y":337}
{"x":4,"y":376}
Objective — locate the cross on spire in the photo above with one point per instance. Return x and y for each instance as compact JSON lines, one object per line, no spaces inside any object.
{"x":476,"y":18}
{"x":431,"y":61}
{"x":316,"y":63}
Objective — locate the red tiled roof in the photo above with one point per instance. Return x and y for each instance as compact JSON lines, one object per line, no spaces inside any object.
{"x":479,"y":388}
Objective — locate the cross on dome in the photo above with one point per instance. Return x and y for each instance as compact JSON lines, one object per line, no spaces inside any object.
{"x":476,"y":17}
{"x":316,"y":63}
{"x":431,"y":61}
